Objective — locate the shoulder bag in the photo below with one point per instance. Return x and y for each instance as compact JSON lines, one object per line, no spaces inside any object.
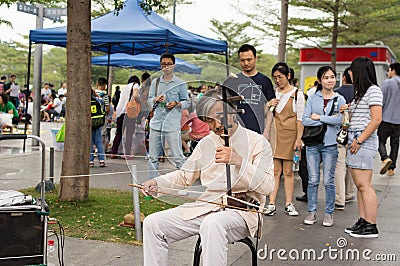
{"x":313,"y":135}
{"x":132,"y":107}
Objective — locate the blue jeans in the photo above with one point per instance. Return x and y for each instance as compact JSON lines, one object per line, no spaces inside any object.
{"x":97,"y":139}
{"x":156,"y":141}
{"x":329,"y":156}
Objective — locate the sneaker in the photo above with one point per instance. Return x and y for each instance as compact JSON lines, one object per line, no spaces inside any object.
{"x":351,"y":199}
{"x":366,"y":231}
{"x":102,"y":164}
{"x":360,"y":223}
{"x":390,"y":172}
{"x":270,"y":209}
{"x":302,"y":198}
{"x":291,"y":210}
{"x":91,"y":164}
{"x":310,"y":219}
{"x":385,"y":165}
{"x":339,"y":207}
{"x":328,"y":220}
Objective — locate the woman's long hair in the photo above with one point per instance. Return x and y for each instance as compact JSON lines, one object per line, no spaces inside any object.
{"x":320,"y":73}
{"x":364,"y":76}
{"x":134,"y":79}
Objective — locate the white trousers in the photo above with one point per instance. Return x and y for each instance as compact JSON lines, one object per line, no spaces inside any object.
{"x":216,"y":229}
{"x":343,"y":180}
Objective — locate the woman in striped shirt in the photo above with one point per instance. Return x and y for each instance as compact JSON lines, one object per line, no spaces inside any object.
{"x":366,"y":115}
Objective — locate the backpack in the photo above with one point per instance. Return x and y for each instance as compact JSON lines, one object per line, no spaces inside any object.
{"x":132,"y":107}
{"x":97,"y":113}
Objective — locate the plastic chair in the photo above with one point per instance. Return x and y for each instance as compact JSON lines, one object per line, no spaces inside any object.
{"x":247,"y":241}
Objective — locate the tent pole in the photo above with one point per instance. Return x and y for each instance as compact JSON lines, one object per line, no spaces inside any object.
{"x":227,"y":62}
{"x":108,"y":70}
{"x":27,"y":90}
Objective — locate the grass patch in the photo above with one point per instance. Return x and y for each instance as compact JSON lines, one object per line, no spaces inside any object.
{"x":97,"y":217}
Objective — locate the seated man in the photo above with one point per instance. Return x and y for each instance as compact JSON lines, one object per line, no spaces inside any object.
{"x":252,"y":175}
{"x":6,"y":106}
{"x":53,"y":108}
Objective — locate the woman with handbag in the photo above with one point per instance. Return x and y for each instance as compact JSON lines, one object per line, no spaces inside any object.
{"x":366,"y":115}
{"x":321,"y":120}
{"x":286,"y":134}
{"x":125,"y":124}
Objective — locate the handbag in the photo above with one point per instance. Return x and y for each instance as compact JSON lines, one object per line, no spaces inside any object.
{"x":313,"y":135}
{"x":342,"y":136}
{"x":132,"y":107}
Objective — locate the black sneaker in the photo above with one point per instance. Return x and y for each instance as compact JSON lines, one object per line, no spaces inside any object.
{"x":366,"y":231}
{"x":361,"y":222}
{"x":302,"y":198}
{"x":339,"y":207}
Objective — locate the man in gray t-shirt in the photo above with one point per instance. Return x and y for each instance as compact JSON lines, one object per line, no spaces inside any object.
{"x":390,"y":126}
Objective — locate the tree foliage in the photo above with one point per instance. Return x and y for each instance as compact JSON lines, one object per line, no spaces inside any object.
{"x":235,"y":35}
{"x":311,"y":22}
{"x":161,"y":6}
{"x":13,"y":60}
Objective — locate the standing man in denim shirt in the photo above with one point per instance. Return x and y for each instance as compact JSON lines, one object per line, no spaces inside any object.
{"x":170,"y":95}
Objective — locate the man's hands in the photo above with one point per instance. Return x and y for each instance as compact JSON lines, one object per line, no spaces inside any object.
{"x":171,"y":105}
{"x":228,"y":155}
{"x":149,"y":188}
{"x":162,"y":98}
{"x":159,"y":99}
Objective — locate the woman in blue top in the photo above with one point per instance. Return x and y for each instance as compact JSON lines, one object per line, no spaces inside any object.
{"x":317,"y":112}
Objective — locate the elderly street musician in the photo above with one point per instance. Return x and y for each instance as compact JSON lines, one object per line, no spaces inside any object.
{"x":235,"y":167}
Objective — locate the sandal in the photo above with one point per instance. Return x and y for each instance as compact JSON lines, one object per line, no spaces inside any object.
{"x":102,"y":164}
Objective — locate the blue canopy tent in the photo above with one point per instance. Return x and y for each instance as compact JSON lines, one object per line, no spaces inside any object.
{"x":133,"y":31}
{"x":143,"y":62}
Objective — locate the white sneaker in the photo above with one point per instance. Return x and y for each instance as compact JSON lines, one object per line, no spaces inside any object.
{"x":270,"y":209}
{"x":328,"y":220}
{"x":291,"y":210}
{"x":310,"y":219}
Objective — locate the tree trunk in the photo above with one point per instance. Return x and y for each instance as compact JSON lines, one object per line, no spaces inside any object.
{"x":335,"y":30}
{"x":283,"y":31}
{"x":78,"y":122}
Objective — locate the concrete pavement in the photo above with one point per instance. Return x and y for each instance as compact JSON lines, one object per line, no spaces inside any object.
{"x":281,"y":232}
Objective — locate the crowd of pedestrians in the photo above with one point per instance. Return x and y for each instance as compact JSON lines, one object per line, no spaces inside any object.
{"x":286,"y":120}
{"x":283,"y":113}
{"x":16,"y":101}
{"x":279,"y":111}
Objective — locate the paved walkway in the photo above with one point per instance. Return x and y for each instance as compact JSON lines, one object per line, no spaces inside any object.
{"x":281,"y":232}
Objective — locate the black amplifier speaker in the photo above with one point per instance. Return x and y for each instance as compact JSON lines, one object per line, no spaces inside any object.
{"x":21,"y":237}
